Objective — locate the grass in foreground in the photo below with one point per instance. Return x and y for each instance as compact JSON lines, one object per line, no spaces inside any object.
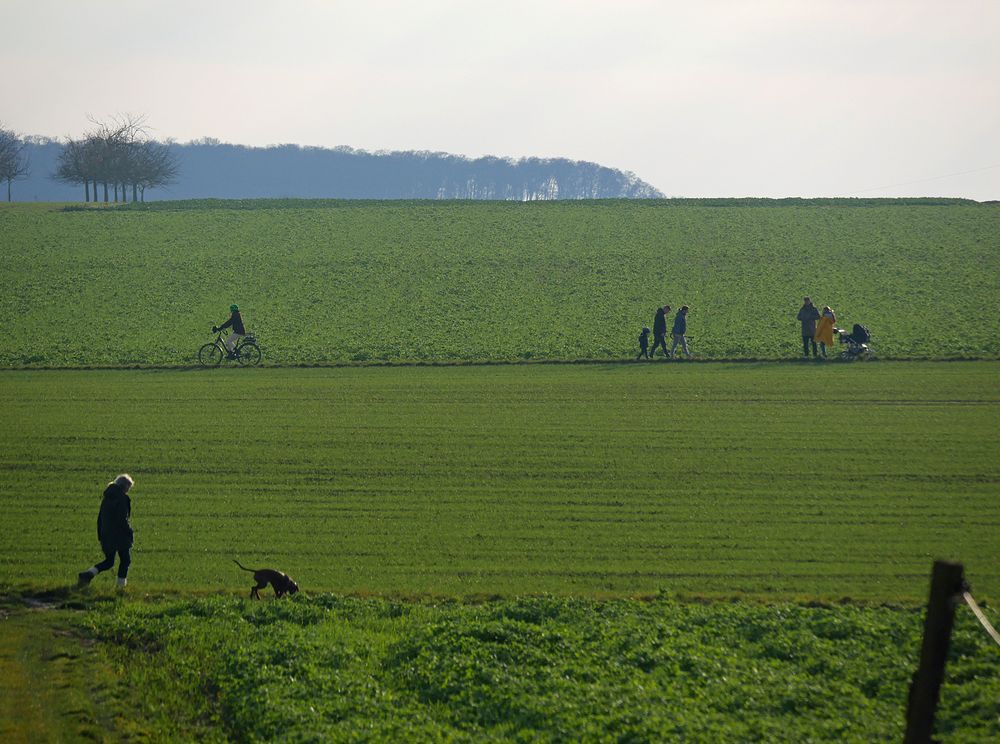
{"x":775,"y":480}
{"x":55,"y":685}
{"x":337,"y":668}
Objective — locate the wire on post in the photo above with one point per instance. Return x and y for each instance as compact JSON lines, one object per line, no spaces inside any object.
{"x":981,"y":617}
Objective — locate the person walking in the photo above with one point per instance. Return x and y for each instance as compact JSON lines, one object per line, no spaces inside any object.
{"x":808,"y":316}
{"x":114,"y":531}
{"x":679,"y":331}
{"x":824,"y":329}
{"x":660,"y":331}
{"x":643,"y":344}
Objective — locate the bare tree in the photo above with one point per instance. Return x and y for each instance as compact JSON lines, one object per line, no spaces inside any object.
{"x":156,"y":166}
{"x":115,"y":137}
{"x":13,"y":158}
{"x":71,"y":166}
{"x":84,"y":161}
{"x":118,"y":154}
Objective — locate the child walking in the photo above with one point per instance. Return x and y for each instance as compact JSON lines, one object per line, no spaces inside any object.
{"x":643,"y":344}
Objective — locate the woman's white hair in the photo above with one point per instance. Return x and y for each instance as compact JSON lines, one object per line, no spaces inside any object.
{"x":124,"y":481}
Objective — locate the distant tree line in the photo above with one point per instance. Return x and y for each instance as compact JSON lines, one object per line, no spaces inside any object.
{"x":116,"y":155}
{"x":118,"y":160}
{"x":14,"y":162}
{"x":214,"y":169}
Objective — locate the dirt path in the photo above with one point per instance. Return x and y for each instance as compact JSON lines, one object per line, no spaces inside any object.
{"x":53,"y":685}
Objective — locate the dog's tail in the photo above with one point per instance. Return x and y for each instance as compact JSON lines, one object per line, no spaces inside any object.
{"x":251,"y":570}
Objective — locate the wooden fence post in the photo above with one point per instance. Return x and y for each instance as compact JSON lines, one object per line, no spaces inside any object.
{"x":946,"y":584}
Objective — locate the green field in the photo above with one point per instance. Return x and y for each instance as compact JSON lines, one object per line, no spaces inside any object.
{"x":607,"y":551}
{"x":765,"y":479}
{"x":338,"y":282}
{"x":544,"y":669}
{"x":336,"y":668}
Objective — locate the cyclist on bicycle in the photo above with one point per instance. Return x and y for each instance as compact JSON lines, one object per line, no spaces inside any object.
{"x":236,"y":322}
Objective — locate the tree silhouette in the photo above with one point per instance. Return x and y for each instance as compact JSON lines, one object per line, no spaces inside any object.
{"x":118,"y":154}
{"x":14,"y":162}
{"x":213,"y":169}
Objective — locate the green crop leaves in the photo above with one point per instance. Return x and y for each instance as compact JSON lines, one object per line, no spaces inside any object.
{"x":331,"y":282}
{"x":541,"y":668}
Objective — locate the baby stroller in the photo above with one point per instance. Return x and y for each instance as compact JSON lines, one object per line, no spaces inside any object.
{"x":857,"y":342}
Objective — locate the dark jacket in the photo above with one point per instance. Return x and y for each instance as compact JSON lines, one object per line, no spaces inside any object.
{"x":660,"y":323}
{"x":236,"y":321}
{"x":809,"y":315}
{"x":680,"y":324}
{"x":114,"y":527}
{"x":643,"y":340}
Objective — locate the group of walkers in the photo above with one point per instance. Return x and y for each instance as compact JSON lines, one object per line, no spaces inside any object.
{"x":816,"y":326}
{"x":679,"y":333}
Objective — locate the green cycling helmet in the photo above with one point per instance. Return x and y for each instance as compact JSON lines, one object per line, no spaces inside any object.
{"x":234,"y":308}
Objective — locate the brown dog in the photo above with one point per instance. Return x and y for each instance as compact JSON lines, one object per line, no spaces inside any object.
{"x":281,"y":582}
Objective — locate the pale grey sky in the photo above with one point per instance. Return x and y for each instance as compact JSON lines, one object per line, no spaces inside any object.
{"x":712,"y":98}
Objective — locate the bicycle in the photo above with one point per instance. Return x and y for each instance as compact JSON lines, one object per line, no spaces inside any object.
{"x":247,"y":352}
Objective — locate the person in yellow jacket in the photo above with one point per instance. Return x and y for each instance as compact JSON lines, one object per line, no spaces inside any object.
{"x":824,"y":329}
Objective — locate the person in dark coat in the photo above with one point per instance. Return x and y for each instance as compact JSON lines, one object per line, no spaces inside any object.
{"x":679,"y":331}
{"x":808,"y":316}
{"x":239,"y":330}
{"x":660,"y":331}
{"x":643,"y":344}
{"x":114,"y":531}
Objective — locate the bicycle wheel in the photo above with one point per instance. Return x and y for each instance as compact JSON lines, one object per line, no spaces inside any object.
{"x":210,"y":355}
{"x":249,"y":354}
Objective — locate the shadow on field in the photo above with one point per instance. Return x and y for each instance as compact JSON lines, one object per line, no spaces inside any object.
{"x":56,"y":598}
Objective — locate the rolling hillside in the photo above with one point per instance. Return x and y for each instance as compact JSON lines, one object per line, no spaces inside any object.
{"x":338,"y":282}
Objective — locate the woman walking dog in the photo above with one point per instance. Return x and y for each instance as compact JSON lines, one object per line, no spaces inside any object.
{"x":114,"y":531}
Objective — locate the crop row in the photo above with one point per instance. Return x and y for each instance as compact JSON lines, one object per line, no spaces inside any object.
{"x":767,"y":479}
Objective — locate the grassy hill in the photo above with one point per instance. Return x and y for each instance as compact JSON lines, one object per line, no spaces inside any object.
{"x":332,"y":282}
